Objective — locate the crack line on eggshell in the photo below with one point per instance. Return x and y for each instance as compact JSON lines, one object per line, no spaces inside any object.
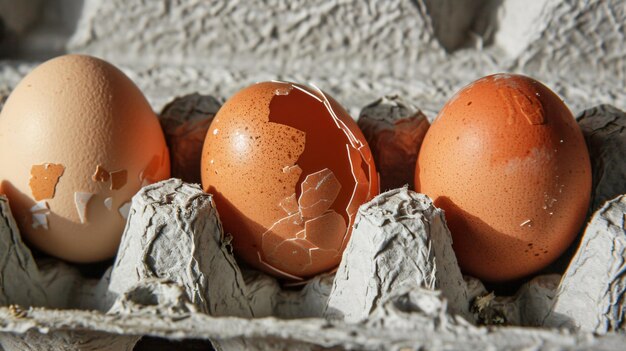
{"x":369,"y":161}
{"x":297,"y":242}
{"x":308,"y":93}
{"x":356,"y":187}
{"x":530,"y":107}
{"x":354,"y":142}
{"x":289,"y":204}
{"x":328,"y":180}
{"x":290,"y":276}
{"x":309,"y":222}
{"x":306,"y":186}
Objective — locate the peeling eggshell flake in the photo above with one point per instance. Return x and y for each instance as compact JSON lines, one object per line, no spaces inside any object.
{"x":394,"y":130}
{"x":108,"y":203}
{"x":289,"y":169}
{"x":319,"y":191}
{"x":81,"y":199}
{"x":41,"y":206}
{"x":40,"y":212}
{"x":124,"y":210}
{"x":40,"y":220}
{"x":118,"y":179}
{"x":44,"y":179}
{"x":101,"y":174}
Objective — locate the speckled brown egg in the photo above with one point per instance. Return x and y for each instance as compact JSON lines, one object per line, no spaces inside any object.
{"x":77,"y":140}
{"x":507,"y":162}
{"x":289,"y":169}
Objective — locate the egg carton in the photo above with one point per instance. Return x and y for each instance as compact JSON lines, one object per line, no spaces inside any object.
{"x":380,"y":298}
{"x":398,"y":286}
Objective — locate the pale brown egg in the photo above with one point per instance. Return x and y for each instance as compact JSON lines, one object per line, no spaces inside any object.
{"x":289,"y":169}
{"x":77,"y":141}
{"x":507,"y":162}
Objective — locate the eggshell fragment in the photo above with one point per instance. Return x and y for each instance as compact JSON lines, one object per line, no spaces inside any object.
{"x":507,"y":162}
{"x":101,"y":174}
{"x":43,"y":180}
{"x":118,"y":179}
{"x":289,"y":169}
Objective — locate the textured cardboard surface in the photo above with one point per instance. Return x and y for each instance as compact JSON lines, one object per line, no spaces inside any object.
{"x":185,"y":284}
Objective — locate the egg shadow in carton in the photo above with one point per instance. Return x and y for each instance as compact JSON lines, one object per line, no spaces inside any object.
{"x":185,"y":122}
{"x":175,"y":277}
{"x":172,"y":235}
{"x":583,"y":289}
{"x":548,"y":300}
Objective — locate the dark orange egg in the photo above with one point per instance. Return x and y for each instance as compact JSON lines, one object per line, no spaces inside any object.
{"x":507,"y":162}
{"x":289,"y":169}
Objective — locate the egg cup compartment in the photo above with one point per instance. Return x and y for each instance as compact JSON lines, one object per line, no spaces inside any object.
{"x":398,"y":286}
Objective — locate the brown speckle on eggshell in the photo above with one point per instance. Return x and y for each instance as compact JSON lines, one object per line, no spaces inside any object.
{"x":507,"y":162}
{"x":289,"y":168}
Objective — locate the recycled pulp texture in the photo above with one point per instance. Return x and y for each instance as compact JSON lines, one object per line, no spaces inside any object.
{"x":574,"y":47}
{"x":141,"y":287}
{"x":394,"y":130}
{"x":185,"y":122}
{"x":590,"y":296}
{"x":414,"y":251}
{"x":359,"y":51}
{"x":410,"y":315}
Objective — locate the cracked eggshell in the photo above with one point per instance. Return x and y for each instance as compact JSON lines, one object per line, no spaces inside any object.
{"x":77,"y":141}
{"x":507,"y":162}
{"x":289,"y":168}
